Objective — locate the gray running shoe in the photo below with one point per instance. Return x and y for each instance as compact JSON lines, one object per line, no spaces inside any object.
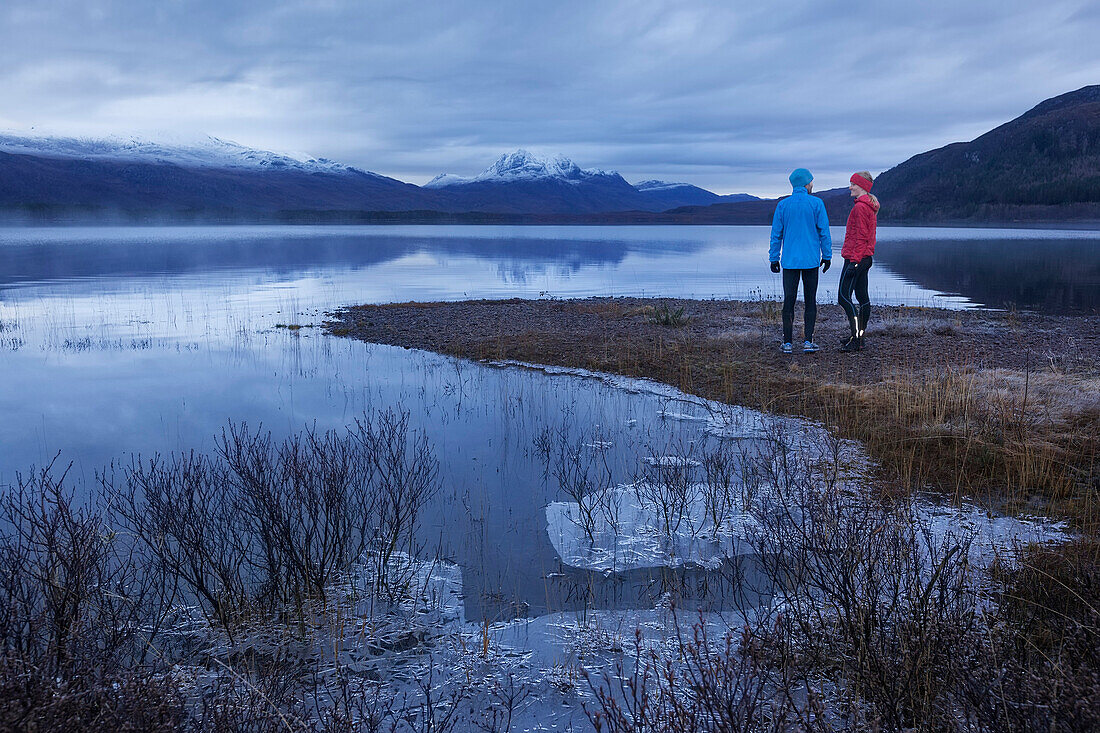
{"x":787,"y":348}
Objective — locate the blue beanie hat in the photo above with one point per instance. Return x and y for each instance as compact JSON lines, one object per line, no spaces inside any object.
{"x":800,"y":177}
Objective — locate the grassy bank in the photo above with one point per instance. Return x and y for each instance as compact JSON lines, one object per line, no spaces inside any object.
{"x":1004,"y":407}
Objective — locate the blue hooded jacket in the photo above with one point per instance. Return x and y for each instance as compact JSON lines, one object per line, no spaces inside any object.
{"x":800,"y":230}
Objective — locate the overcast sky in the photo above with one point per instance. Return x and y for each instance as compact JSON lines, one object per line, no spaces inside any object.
{"x":725,"y":97}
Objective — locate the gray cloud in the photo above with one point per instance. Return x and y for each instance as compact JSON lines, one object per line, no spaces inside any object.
{"x":724,"y":96}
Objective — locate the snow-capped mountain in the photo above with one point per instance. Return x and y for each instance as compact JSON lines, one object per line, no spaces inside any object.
{"x":523,"y":165}
{"x":525,"y":182}
{"x":206,"y":152}
{"x":134,"y":178}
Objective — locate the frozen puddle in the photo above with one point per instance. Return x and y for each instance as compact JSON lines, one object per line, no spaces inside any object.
{"x":995,"y":535}
{"x":631,"y":533}
{"x":673,"y":517}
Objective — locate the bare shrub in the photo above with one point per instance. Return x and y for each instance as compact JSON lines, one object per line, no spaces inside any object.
{"x":117,"y":699}
{"x":1044,"y":642}
{"x":258,"y":696}
{"x":355,"y":708}
{"x":406,"y":477}
{"x":268,"y":527}
{"x":506,"y":697}
{"x":702,"y":686}
{"x":667,"y":483}
{"x":583,"y":475}
{"x":878,"y":622}
{"x":732,"y":480}
{"x":719,"y":486}
{"x":306,"y":505}
{"x":874,"y":599}
{"x":77,"y":618}
{"x":184,"y":511}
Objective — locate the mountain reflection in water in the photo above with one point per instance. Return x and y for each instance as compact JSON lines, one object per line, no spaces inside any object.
{"x":1049,"y":274}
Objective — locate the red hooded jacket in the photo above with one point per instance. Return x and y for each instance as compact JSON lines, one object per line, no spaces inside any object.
{"x":859,"y":235}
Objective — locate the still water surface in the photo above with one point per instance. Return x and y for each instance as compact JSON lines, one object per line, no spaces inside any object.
{"x":122,"y":341}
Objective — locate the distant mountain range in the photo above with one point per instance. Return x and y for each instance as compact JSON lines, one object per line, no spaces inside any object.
{"x":46,"y":178}
{"x":1041,"y":166}
{"x":206,"y":152}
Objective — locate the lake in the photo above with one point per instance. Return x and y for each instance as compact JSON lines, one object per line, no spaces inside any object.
{"x":123,"y":341}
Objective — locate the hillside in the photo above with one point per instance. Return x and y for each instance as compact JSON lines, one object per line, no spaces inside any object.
{"x":1043,"y":165}
{"x":45,"y":187}
{"x":664,"y":196}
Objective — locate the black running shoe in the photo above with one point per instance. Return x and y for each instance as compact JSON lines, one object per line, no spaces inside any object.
{"x":852,"y":344}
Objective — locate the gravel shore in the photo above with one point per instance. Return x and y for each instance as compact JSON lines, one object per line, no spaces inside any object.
{"x":588,"y":332}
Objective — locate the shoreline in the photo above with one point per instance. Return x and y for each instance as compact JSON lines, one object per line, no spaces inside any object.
{"x":1000,"y":406}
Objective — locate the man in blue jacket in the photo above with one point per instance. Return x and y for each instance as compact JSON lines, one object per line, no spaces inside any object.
{"x":800,"y":231}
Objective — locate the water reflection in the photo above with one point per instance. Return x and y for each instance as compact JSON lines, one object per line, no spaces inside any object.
{"x":1050,"y":274}
{"x":1042,"y":269}
{"x":329,"y":266}
{"x":30,"y":259}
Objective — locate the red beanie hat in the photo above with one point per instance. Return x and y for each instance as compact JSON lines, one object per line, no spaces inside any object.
{"x":864,"y":183}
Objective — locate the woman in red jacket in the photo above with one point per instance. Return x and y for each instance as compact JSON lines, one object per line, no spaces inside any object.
{"x":859,"y":247}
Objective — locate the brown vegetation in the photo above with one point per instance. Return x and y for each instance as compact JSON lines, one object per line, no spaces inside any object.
{"x":882,"y":623}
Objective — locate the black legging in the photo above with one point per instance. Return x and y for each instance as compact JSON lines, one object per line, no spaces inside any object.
{"x":790,"y":293}
{"x":854,"y":278}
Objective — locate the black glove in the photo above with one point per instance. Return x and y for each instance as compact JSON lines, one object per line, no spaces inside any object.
{"x":825,"y":265}
{"x":775,"y":267}
{"x":865,"y":262}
